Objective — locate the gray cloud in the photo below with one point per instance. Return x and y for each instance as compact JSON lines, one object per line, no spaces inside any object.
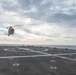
{"x":56,"y":11}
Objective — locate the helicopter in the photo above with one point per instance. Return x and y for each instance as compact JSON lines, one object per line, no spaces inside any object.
{"x":11,"y":30}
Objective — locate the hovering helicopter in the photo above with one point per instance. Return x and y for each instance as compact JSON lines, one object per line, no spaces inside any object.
{"x":11,"y":30}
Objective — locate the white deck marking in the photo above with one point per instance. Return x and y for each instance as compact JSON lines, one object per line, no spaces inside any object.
{"x":24,"y":56}
{"x":65,"y":53}
{"x":66,"y":58}
{"x":31,"y":56}
{"x":35,"y":51}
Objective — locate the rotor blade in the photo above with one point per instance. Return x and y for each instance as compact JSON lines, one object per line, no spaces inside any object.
{"x":16,"y":25}
{"x":13,"y":26}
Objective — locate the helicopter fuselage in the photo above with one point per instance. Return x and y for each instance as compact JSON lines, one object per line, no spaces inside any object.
{"x":10,"y":31}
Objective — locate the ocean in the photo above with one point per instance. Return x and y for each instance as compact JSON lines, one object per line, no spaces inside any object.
{"x":62,"y":46}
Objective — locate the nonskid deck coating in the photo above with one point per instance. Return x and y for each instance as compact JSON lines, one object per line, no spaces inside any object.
{"x":37,"y":64}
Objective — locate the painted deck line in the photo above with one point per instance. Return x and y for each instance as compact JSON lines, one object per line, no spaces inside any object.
{"x":35,"y":51}
{"x":24,"y":56}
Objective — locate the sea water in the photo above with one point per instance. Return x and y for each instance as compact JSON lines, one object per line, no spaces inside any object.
{"x":62,"y":46}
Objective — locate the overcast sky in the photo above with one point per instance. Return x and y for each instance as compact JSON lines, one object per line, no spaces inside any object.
{"x":47,"y":22}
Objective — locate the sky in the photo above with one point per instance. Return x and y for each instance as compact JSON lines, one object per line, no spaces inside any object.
{"x":42,"y":22}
